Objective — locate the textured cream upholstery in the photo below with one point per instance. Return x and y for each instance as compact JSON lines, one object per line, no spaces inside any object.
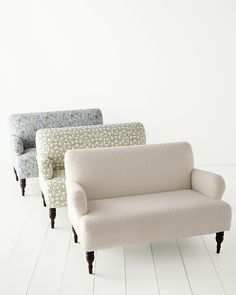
{"x":125,"y":195}
{"x":78,"y":199}
{"x":208,"y":183}
{"x":118,"y":172}
{"x":143,"y":218}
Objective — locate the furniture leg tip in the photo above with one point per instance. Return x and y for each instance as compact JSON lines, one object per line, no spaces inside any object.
{"x":75,"y":235}
{"x":23,"y":185}
{"x":90,"y":259}
{"x":219,"y":240}
{"x":52,"y":215}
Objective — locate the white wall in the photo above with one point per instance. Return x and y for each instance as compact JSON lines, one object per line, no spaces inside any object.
{"x":169,"y":64}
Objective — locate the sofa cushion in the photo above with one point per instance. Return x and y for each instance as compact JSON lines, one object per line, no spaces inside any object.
{"x":26,"y":164}
{"x":133,"y":170}
{"x":152,"y":217}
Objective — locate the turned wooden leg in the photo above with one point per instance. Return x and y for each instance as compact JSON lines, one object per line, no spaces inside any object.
{"x":219,"y":240}
{"x":52,"y":215}
{"x":23,"y":185}
{"x":15,"y":174}
{"x":44,"y":203}
{"x":90,"y":259}
{"x":75,"y":235}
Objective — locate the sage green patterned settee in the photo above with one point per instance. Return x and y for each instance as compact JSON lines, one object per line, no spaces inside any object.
{"x":52,"y":144}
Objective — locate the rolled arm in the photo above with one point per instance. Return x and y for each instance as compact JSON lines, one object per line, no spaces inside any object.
{"x":17,"y":145}
{"x":76,"y":197}
{"x":208,"y":183}
{"x":45,"y":166}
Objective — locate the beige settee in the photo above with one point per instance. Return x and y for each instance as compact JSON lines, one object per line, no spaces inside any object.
{"x":124,"y":195}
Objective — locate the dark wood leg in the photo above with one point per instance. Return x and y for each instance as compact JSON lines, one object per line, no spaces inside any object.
{"x":52,"y":215}
{"x":15,"y":174}
{"x":219,"y":240}
{"x":90,"y":259}
{"x":23,"y":185}
{"x":44,"y":203}
{"x":75,"y":235}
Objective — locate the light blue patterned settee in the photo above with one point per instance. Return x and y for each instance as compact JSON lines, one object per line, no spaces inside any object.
{"x":23,"y":128}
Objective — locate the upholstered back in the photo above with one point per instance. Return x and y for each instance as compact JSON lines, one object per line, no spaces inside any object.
{"x":26,"y":125}
{"x":55,"y":142}
{"x":135,"y":170}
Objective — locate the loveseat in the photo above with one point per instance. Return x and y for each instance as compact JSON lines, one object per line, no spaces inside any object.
{"x":52,"y":145}
{"x":125,"y":195}
{"x":23,"y":128}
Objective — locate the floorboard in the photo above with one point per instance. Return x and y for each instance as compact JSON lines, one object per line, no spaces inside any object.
{"x":225,"y":262}
{"x":48,"y":273}
{"x":76,"y":279}
{"x":170,"y":270}
{"x":110,"y":272}
{"x":140,"y":270}
{"x":17,"y":276}
{"x":201,"y":273}
{"x":11,"y":227}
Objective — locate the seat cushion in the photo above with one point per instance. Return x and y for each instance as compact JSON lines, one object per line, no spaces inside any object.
{"x":55,"y":190}
{"x":152,"y":217}
{"x":26,"y":165}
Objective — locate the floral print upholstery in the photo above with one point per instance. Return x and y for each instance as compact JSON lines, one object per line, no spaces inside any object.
{"x":26,"y":125}
{"x":26,"y":164}
{"x":53,"y":144}
{"x":23,"y":128}
{"x":55,"y":190}
{"x":17,"y":145}
{"x":45,"y":166}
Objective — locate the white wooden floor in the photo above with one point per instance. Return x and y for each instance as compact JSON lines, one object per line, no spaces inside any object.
{"x":37,"y":260}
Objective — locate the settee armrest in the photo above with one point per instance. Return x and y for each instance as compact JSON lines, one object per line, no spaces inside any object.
{"x":76,"y":197}
{"x":208,"y":183}
{"x":17,"y":145}
{"x":45,"y":166}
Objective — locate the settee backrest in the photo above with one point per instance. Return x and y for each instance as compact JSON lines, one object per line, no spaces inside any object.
{"x":137,"y":170}
{"x":26,"y":125}
{"x":54,"y":143}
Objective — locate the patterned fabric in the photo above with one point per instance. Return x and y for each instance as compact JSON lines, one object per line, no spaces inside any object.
{"x":55,"y":190}
{"x":23,"y":128}
{"x":26,"y":165}
{"x":53,"y":143}
{"x":17,"y":145}
{"x":46,"y":168}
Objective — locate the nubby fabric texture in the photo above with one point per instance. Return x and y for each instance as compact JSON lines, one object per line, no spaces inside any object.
{"x":52,"y":145}
{"x":136,"y":194}
{"x":138,"y":170}
{"x":23,"y":128}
